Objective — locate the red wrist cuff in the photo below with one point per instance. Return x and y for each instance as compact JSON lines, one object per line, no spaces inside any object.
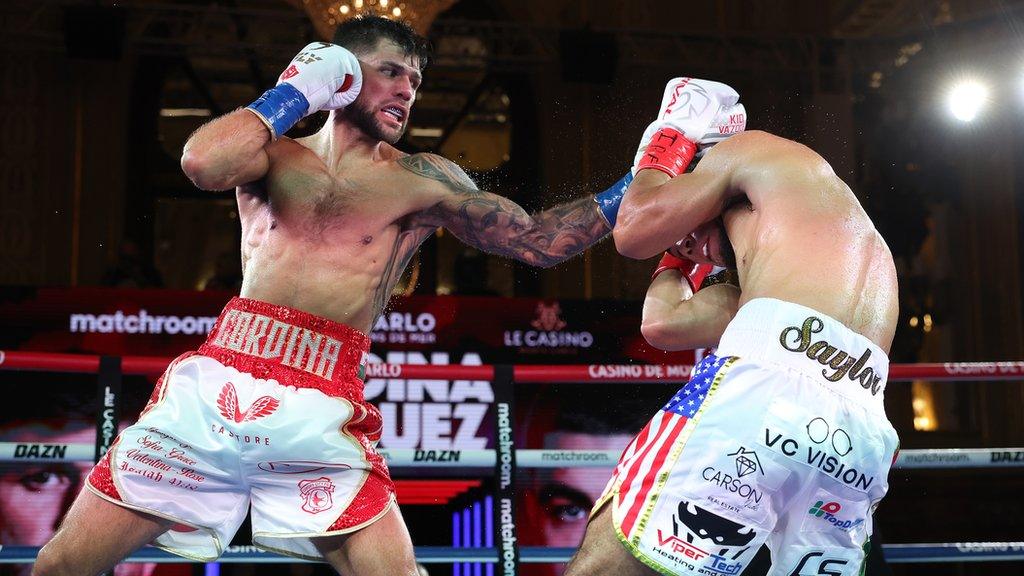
{"x":697,"y":274}
{"x":670,"y":262}
{"x":693,"y":272}
{"x":669,"y":151}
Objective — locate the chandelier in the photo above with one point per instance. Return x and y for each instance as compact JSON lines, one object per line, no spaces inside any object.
{"x":327,"y":14}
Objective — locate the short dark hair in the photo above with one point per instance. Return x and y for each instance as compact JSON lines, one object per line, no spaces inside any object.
{"x":361,"y":34}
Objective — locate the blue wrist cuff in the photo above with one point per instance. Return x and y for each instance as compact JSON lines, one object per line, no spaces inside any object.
{"x":280,"y":107}
{"x":609,"y":200}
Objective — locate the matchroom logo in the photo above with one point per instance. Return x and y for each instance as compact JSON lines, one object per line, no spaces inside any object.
{"x":141,"y":323}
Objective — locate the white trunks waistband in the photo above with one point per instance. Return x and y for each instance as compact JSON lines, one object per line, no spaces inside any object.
{"x":811,"y":343}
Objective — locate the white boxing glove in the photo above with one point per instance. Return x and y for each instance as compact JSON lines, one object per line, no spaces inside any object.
{"x":690,"y":107}
{"x":322,"y":76}
{"x":730,"y":120}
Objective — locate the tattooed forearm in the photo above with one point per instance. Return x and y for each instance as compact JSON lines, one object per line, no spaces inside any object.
{"x":496,"y":224}
{"x":566,"y":230}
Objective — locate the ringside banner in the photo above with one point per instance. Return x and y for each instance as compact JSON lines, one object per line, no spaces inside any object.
{"x":440,"y":425}
{"x":427,"y":415}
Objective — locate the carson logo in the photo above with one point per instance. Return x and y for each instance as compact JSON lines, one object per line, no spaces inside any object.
{"x":747,"y":462}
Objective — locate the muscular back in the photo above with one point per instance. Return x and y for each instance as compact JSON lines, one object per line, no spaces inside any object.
{"x":800,"y":235}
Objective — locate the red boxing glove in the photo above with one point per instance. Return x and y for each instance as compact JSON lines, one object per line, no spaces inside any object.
{"x":693,"y":272}
{"x":667,"y":150}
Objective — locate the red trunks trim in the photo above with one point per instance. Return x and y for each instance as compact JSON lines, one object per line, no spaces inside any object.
{"x":374,"y":496}
{"x":291,"y":346}
{"x":101,"y":477}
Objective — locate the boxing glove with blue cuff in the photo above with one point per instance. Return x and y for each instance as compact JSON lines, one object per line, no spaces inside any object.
{"x":609,"y":200}
{"x":323,"y":76}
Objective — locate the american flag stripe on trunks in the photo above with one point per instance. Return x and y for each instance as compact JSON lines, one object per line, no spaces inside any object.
{"x":648,"y":456}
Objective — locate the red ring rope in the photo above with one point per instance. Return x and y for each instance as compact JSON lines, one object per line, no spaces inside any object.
{"x":632,"y":373}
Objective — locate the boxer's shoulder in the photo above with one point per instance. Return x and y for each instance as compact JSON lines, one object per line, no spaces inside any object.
{"x":754,"y":144}
{"x":436,"y":168}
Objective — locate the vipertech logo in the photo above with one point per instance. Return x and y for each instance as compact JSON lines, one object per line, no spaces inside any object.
{"x":141,"y":323}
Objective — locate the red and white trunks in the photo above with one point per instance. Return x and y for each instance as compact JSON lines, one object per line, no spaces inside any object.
{"x":269,"y":413}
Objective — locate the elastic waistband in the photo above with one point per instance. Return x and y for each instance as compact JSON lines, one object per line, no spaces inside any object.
{"x":809,"y":342}
{"x":293,"y":347}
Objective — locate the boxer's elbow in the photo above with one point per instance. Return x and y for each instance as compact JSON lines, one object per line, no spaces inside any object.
{"x":660,"y":335}
{"x":630,"y":243}
{"x":198,"y":167}
{"x":632,"y":231}
{"x":204,"y":172}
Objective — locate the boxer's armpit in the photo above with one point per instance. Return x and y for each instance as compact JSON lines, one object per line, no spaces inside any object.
{"x":498,"y":225}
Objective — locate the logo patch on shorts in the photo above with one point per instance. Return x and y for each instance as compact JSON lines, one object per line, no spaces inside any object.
{"x":828,"y":513}
{"x":227,"y":404}
{"x":726,"y":540}
{"x":815,"y":563}
{"x":733,"y":491}
{"x":747,"y":462}
{"x":317,"y":494}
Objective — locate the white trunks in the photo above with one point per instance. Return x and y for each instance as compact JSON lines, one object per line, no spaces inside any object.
{"x":268,"y":414}
{"x":780,"y":438}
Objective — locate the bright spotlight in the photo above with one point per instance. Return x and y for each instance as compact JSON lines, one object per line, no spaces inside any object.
{"x":966,"y":99}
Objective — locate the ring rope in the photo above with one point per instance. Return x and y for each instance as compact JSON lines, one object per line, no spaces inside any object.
{"x":629,"y":373}
{"x":614,"y":373}
{"x":529,"y":458}
{"x":894,"y":553}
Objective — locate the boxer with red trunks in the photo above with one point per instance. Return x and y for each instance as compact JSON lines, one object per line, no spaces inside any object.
{"x":780,"y":437}
{"x":269,"y":413}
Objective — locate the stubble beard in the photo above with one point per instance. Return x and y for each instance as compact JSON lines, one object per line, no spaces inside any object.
{"x":364,"y":119}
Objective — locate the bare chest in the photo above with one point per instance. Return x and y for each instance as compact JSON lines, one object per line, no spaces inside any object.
{"x":304,"y":214}
{"x":318,"y":202}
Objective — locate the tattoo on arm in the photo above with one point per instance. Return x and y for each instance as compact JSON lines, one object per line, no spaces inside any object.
{"x":498,"y":225}
{"x":438,"y":168}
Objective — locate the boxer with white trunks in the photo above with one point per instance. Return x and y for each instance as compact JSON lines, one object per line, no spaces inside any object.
{"x":780,"y":438}
{"x":270,"y":411}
